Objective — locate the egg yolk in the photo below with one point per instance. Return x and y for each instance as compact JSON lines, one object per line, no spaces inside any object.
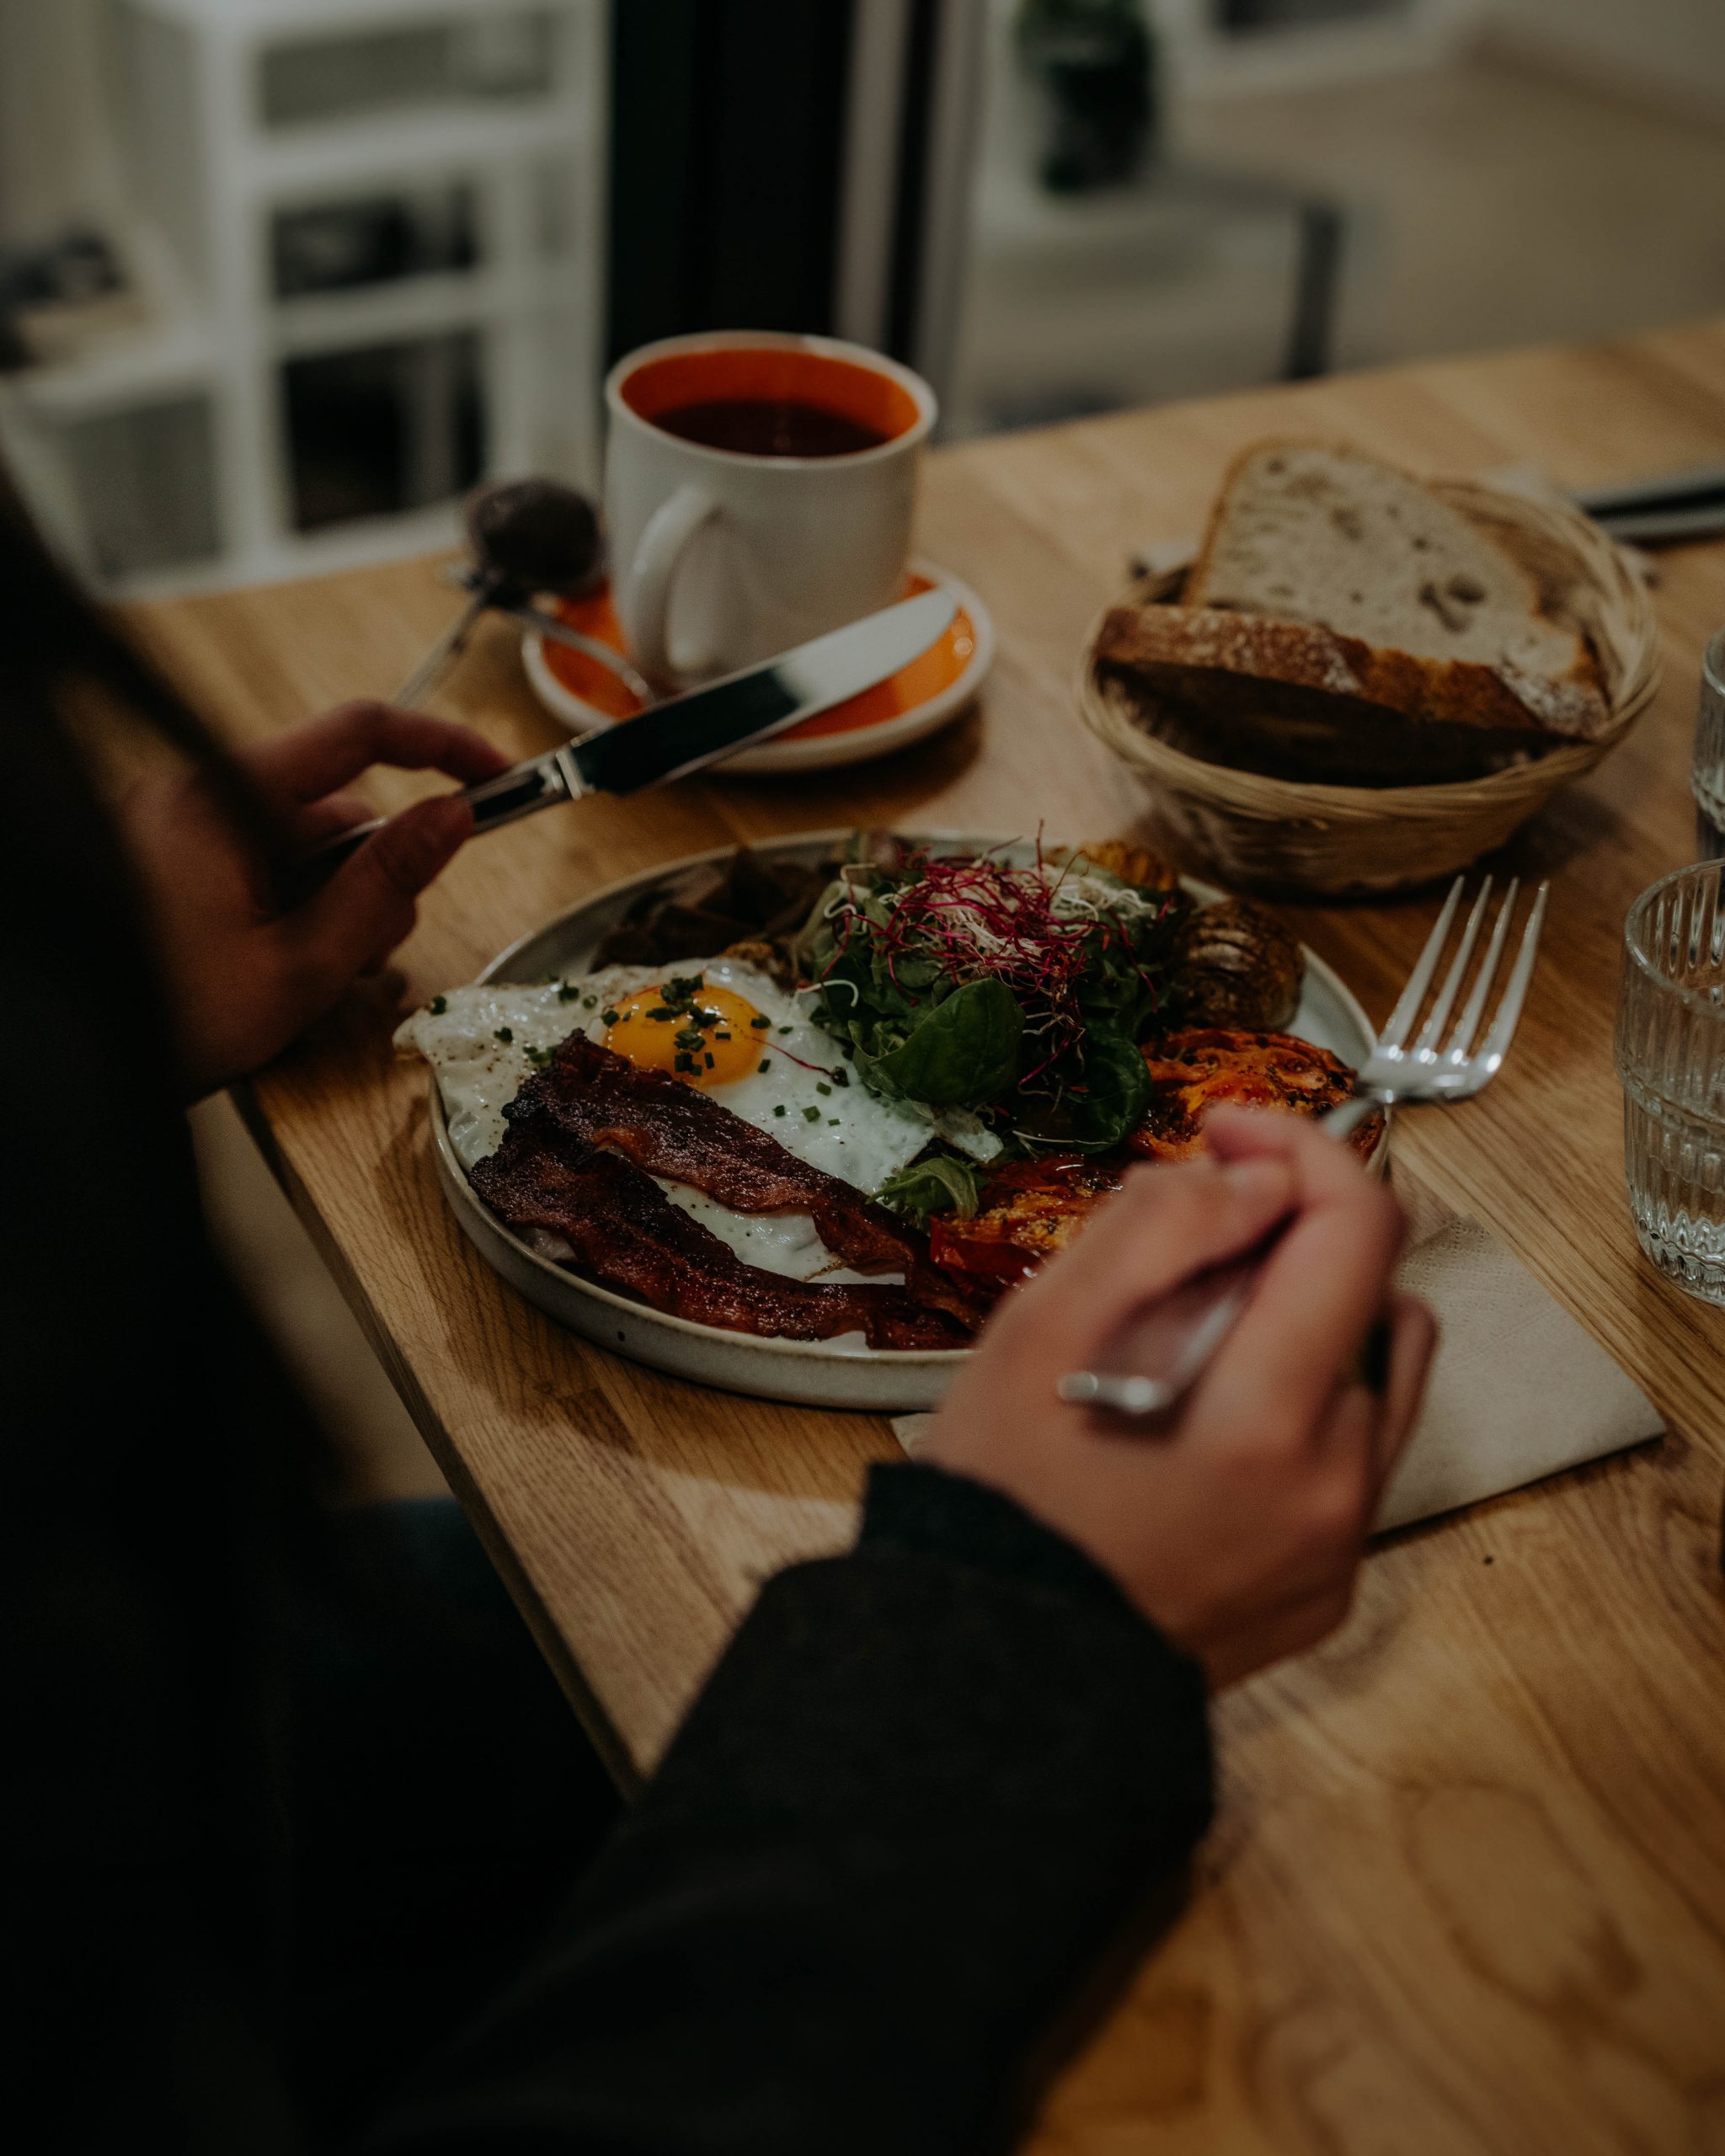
{"x":712,"y":1039}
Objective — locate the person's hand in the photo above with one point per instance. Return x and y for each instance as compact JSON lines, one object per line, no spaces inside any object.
{"x":246,"y":975}
{"x":1236,"y":1523}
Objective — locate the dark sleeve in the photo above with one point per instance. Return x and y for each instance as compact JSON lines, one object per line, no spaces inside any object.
{"x":926,"y":1787}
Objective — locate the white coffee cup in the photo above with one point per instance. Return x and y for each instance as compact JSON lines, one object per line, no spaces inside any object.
{"x":721,"y":557}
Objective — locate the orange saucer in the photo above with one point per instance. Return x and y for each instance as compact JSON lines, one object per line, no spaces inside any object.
{"x":912,"y":703}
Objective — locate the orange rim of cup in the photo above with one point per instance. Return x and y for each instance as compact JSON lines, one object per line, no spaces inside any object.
{"x":871,"y":391}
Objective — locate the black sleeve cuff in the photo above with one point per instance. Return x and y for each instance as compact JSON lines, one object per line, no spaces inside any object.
{"x":926,"y":1511}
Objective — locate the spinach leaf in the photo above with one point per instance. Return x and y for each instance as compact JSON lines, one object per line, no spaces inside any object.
{"x":961,"y":1053}
{"x":943,"y":1183}
{"x":1118,"y":1088}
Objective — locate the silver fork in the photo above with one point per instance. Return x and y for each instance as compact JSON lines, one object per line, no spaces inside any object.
{"x":1173,"y":1343}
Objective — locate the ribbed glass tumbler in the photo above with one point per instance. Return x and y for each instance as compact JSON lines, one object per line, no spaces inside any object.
{"x":1707,"y":774}
{"x":1671,"y":1060}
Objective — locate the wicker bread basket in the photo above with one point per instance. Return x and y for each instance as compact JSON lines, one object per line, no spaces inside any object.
{"x":1288,"y":834}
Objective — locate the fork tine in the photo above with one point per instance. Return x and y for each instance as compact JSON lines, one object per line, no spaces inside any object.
{"x":1432,"y":1031}
{"x":1467,"y":1025}
{"x":1496,"y":1044}
{"x":1408,"y":1008}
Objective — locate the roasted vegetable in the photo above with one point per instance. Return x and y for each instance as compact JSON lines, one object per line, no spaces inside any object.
{"x":1026,"y":1212}
{"x":1137,"y":865}
{"x":751,"y":899}
{"x":1237,"y":965}
{"x":1209,"y":1067}
{"x":768,"y":958}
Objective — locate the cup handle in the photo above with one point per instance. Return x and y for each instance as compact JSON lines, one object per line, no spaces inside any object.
{"x":669,"y":531}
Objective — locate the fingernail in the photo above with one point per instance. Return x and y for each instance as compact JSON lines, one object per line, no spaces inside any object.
{"x":1258,"y":1183}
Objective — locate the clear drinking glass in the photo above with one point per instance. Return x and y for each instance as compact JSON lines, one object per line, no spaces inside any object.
{"x":1671,"y":1059}
{"x":1708,"y":777}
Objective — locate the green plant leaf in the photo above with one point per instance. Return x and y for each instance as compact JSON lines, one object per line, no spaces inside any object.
{"x":1116,"y":1087}
{"x":961,"y":1053}
{"x":940,"y":1184}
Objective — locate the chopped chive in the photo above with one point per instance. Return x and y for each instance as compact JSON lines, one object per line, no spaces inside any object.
{"x":439,"y":1003}
{"x":721,"y":1037}
{"x":811,"y":1115}
{"x":784,"y":1029}
{"x":821,"y":1085}
{"x":565,"y":994}
{"x":760,"y":1022}
{"x":503,"y":1033}
{"x":709,"y":1063}
{"x":588,"y":1001}
{"x":832,"y":1123}
{"x":661,"y":1011}
{"x":688,"y":1037}
{"x":539,"y":1058}
{"x":766,"y":1066}
{"x":778,"y":1107}
{"x":683,"y":1061}
{"x":607,"y":1017}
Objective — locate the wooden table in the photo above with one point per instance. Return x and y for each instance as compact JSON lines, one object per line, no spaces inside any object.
{"x":1467,"y":1891}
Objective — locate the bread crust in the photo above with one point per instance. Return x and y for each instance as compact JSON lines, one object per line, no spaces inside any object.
{"x":1185,"y":644}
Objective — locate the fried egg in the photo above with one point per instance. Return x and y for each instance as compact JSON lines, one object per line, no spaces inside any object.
{"x":718,"y":1024}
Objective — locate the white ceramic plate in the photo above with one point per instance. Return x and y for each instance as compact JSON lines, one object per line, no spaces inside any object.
{"x":815,"y":1373}
{"x":862,"y":744}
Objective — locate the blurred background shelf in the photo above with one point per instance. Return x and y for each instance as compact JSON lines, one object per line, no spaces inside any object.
{"x":367,"y":244}
{"x":369,"y":251}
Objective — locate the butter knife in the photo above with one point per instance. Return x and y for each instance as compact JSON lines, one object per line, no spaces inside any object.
{"x":684,"y":733}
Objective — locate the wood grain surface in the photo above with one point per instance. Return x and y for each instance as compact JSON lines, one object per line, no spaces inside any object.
{"x":1467,"y":1891}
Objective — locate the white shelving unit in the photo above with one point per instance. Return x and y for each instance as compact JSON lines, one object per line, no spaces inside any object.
{"x":259,"y":137}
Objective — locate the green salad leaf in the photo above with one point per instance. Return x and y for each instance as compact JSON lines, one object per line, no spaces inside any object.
{"x":1019,"y":992}
{"x":1118,"y":1088}
{"x":961,"y":1052}
{"x":943,"y":1183}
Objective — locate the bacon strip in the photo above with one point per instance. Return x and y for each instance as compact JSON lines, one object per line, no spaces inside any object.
{"x":676,"y":1131}
{"x":627,"y":1234}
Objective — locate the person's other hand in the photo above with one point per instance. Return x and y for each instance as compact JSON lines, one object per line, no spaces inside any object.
{"x":245,"y":974}
{"x":1236,"y":1523}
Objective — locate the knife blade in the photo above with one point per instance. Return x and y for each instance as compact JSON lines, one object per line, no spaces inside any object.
{"x":686,"y":732}
{"x":1696,"y":485}
{"x":1674,"y":507}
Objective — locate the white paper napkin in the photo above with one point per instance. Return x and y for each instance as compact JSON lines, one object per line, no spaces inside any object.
{"x":1518,"y":1391}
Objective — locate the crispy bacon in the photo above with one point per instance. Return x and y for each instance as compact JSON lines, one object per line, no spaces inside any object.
{"x":627,"y":1234}
{"x":678,"y":1132}
{"x":1205,"y":1066}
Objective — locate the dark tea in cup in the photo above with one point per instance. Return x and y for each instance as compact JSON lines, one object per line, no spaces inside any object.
{"x":769,"y":426}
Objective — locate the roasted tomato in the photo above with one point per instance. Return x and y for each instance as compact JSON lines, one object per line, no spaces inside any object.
{"x":1197,"y":1070}
{"x":1028,"y":1210}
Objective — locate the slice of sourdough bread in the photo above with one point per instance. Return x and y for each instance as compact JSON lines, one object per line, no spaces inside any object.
{"x":1295,"y":700}
{"x":1404,"y":600}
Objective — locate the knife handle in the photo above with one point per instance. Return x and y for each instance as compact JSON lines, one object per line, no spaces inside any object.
{"x":539,"y":783}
